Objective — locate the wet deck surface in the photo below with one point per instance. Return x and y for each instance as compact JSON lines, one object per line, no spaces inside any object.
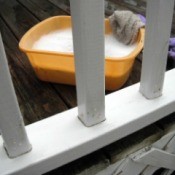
{"x":39,"y":100}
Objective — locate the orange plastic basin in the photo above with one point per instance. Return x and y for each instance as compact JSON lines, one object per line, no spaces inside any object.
{"x":59,"y":67}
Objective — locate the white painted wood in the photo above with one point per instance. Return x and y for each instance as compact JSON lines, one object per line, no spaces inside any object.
{"x":164,"y":141}
{"x":88,"y":36}
{"x":159,"y":19}
{"x":11,"y":122}
{"x":171,"y":146}
{"x":130,"y":167}
{"x":62,"y":138}
{"x":157,"y":158}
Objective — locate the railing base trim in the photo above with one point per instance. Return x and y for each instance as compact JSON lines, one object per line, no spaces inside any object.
{"x":62,"y":138}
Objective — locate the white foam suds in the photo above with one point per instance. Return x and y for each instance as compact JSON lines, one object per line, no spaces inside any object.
{"x":61,"y":41}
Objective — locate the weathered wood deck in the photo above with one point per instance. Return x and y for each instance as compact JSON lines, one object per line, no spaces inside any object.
{"x":38,"y":99}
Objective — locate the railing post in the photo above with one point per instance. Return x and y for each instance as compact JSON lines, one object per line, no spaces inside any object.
{"x":11,"y":122}
{"x":158,"y":26}
{"x":88,"y":35}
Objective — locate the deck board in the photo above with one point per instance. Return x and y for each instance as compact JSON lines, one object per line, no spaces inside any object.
{"x":67,"y":93}
{"x":37,"y":8}
{"x":63,"y":4}
{"x":37,"y":99}
{"x":19,"y":16}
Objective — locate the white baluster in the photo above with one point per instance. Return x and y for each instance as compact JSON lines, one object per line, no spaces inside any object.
{"x":158,"y":26}
{"x":11,"y":122}
{"x":88,"y":34}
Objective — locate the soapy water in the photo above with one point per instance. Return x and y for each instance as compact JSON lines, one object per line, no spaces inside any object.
{"x":62,"y":41}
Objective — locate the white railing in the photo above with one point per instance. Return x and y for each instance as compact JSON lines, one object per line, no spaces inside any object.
{"x":88,"y":33}
{"x":62,"y":138}
{"x":158,"y":28}
{"x":11,"y":122}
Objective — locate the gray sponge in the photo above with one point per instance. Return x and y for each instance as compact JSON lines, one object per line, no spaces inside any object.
{"x":125,"y":26}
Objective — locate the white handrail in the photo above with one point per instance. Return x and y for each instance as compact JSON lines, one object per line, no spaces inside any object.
{"x":158,"y":27}
{"x":88,"y":35}
{"x":11,"y":122}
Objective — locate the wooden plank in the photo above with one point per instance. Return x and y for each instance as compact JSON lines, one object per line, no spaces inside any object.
{"x":62,"y":4}
{"x":68,"y":94}
{"x":12,"y":128}
{"x":49,"y":8}
{"x":78,"y":140}
{"x":37,"y":100}
{"x":88,"y":39}
{"x":34,"y":9}
{"x":154,"y":157}
{"x":158,"y":27}
{"x":41,"y":9}
{"x":135,"y":73}
{"x":65,"y":4}
{"x":16,"y":17}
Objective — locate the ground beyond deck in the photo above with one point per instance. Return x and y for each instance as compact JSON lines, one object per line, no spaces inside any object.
{"x":37,"y":99}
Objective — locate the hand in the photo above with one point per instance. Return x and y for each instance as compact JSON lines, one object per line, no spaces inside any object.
{"x":142,"y":18}
{"x":171,"y":53}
